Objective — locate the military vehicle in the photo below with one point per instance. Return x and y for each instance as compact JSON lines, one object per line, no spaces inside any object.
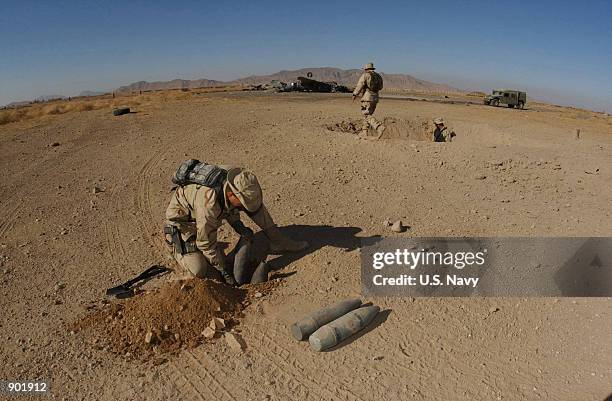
{"x":510,"y":97}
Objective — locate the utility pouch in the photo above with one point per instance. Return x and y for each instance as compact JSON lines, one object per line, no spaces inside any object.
{"x":177,"y":241}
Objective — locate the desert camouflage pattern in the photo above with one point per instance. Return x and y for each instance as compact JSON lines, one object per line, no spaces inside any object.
{"x":365,"y":86}
{"x":197,"y":213}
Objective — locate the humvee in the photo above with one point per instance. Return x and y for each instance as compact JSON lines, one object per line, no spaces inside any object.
{"x":506,"y":96}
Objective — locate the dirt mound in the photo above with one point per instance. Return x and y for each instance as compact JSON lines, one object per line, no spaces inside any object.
{"x":419,"y":129}
{"x":164,"y":320}
{"x":348,"y":126}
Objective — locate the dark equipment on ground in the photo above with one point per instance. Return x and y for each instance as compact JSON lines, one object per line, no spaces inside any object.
{"x":311,"y":85}
{"x":510,"y":97}
{"x":126,"y":289}
{"x":121,"y":110}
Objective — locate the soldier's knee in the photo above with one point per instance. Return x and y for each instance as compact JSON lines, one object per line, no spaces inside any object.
{"x":196,"y":264}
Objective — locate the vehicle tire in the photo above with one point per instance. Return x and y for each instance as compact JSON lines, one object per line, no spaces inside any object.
{"x":495,"y":102}
{"x":510,"y":106}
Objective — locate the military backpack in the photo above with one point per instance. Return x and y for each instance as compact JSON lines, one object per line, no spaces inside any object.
{"x":193,"y":171}
{"x":376,"y":83}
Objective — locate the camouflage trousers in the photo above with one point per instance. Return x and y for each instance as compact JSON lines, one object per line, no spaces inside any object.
{"x":367,"y":109}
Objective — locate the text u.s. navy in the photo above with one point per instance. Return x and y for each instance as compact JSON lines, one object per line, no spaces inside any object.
{"x":426,"y":279}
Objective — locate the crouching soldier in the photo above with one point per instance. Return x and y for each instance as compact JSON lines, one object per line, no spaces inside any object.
{"x":205,"y":196}
{"x":442,"y":133}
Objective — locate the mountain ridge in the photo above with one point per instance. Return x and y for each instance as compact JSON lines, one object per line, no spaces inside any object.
{"x":342,"y":77}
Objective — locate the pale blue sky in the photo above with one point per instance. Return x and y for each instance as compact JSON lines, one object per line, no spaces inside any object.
{"x":558,"y":51}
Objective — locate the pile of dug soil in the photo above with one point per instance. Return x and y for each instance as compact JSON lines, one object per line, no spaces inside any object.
{"x":348,"y":126}
{"x":164,"y":320}
{"x":417,"y":129}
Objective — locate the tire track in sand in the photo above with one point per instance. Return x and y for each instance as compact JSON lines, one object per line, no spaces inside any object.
{"x":142,"y":203}
{"x":282,"y":359}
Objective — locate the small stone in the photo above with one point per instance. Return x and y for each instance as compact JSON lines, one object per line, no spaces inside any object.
{"x":493,"y":309}
{"x":234,"y":341}
{"x":387,"y":223}
{"x":59,"y":286}
{"x":54,"y":144}
{"x":185,"y":287}
{"x":150,"y":338}
{"x":177,"y":336}
{"x":398,"y":227}
{"x":217,"y":324}
{"x":480,"y":177}
{"x":258,"y":294}
{"x":208,"y":333}
{"x":378,"y":358}
{"x":96,"y":190}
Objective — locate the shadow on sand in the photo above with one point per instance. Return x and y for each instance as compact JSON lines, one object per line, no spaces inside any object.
{"x":317,"y":237}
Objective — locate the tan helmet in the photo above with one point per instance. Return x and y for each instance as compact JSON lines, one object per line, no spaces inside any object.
{"x":438,"y":120}
{"x":245,"y":186}
{"x":369,"y":66}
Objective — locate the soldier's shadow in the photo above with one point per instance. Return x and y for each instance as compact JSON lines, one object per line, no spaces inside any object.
{"x":317,"y":237}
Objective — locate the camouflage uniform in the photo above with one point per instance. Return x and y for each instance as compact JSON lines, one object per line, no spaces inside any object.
{"x":442,"y":133}
{"x":198,"y":213}
{"x":369,"y":99}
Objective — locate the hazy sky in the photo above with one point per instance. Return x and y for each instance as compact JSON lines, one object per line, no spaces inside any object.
{"x":560,"y":51}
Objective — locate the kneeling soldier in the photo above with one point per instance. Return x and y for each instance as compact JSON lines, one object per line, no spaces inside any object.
{"x":196,"y":212}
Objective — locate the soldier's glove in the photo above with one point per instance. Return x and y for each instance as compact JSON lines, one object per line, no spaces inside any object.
{"x":218,"y":262}
{"x":229,"y":279}
{"x":244,"y":231}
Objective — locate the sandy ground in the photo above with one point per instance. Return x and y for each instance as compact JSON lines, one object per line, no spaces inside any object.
{"x":62,"y":245}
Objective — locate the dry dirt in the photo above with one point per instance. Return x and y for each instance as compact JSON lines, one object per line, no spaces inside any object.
{"x":173,"y":316}
{"x":62,"y":243}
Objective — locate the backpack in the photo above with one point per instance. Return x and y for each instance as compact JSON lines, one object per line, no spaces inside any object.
{"x":376,"y":84}
{"x":193,"y":171}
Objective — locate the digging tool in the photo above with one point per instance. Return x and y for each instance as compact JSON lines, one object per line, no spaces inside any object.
{"x":126,"y":289}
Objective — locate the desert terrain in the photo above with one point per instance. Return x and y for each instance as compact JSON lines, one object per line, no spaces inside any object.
{"x":83,"y":201}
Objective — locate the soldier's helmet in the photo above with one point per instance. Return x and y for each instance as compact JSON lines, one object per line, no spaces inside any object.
{"x":438,"y":120}
{"x":369,"y":66}
{"x":245,"y":186}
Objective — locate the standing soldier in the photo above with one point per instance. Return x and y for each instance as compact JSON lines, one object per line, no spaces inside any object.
{"x":197,"y":210}
{"x":442,"y":133}
{"x":368,"y":86}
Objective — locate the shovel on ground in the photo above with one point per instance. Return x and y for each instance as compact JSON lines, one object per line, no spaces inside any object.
{"x":126,"y":289}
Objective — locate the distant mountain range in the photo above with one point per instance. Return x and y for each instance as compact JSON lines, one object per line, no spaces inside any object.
{"x":91,"y":93}
{"x":343,"y":77}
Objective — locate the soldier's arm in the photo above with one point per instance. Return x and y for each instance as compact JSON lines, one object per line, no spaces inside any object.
{"x":175,"y":211}
{"x":233,"y":218}
{"x":360,"y":85}
{"x":208,"y":221}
